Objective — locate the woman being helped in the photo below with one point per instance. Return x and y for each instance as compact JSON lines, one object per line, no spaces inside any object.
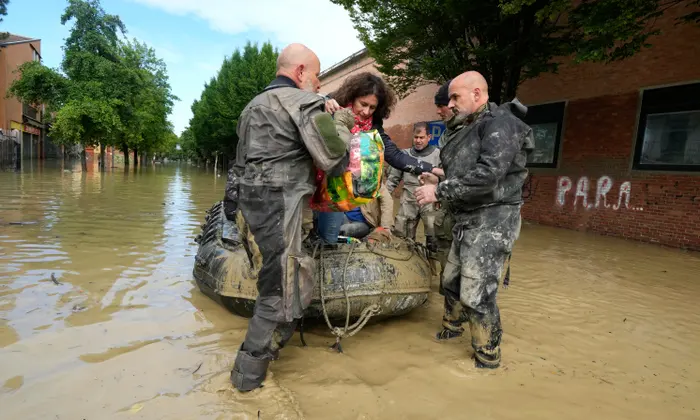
{"x":371,"y":101}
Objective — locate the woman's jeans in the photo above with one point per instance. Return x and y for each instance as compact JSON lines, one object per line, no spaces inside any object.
{"x":330,"y":225}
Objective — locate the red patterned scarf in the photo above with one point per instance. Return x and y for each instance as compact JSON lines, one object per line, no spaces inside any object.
{"x":360,"y":124}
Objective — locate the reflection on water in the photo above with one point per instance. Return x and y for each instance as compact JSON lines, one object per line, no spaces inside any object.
{"x":593,"y":326}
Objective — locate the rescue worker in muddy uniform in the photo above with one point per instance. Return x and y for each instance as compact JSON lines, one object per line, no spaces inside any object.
{"x":410,"y":213}
{"x":484,"y":158}
{"x":443,"y":220}
{"x":284,"y":133}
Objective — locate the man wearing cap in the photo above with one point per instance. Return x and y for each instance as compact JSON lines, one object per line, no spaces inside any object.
{"x":442,"y":98}
{"x":443,"y":221}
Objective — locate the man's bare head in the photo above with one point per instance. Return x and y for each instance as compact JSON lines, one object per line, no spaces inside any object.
{"x":468,"y":92}
{"x":300,"y":64}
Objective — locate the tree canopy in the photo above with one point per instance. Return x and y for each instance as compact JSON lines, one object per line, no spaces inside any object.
{"x":509,"y":41}
{"x":108,"y":91}
{"x":3,"y":12}
{"x":212,"y":128}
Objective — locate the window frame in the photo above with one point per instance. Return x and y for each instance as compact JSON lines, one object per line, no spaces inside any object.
{"x":548,"y":113}
{"x":664,"y":100}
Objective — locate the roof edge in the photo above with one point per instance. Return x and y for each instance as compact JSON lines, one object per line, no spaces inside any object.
{"x":24,"y":41}
{"x":339,"y":65}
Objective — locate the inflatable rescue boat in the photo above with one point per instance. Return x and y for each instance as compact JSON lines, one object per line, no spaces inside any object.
{"x":380,"y":280}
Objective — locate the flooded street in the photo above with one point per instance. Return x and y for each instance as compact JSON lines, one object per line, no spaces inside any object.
{"x":593,"y":326}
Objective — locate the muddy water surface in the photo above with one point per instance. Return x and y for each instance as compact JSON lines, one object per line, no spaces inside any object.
{"x":593,"y":327}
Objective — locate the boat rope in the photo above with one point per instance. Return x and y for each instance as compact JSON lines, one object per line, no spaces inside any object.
{"x":413,"y":247}
{"x":365,"y":315}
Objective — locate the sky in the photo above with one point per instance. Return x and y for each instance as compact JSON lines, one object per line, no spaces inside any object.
{"x":194,"y":36}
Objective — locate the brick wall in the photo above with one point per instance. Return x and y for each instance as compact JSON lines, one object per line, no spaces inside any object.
{"x":598,"y":141}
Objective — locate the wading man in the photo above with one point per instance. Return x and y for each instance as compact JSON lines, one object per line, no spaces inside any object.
{"x":410,"y":213}
{"x":484,"y":160}
{"x":283,"y":133}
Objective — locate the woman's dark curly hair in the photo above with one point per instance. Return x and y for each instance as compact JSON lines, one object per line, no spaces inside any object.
{"x":364,"y":84}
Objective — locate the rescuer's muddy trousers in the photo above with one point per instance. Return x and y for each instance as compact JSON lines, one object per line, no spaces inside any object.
{"x":482,"y":242}
{"x":271,"y":220}
{"x":444,"y":222}
{"x":410,"y":214}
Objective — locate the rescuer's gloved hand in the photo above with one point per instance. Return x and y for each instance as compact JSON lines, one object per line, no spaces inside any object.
{"x":345,"y":117}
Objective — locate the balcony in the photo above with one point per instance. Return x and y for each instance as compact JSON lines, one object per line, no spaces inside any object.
{"x":31,"y":112}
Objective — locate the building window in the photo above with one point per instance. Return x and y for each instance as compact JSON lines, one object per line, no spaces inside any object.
{"x":547,"y":122}
{"x":668,"y":136}
{"x":31,"y":112}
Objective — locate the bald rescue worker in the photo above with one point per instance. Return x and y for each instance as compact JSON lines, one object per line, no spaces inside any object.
{"x":484,"y":156}
{"x":283,"y":133}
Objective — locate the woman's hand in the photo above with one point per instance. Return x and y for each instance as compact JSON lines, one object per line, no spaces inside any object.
{"x":427,"y":178}
{"x":332,"y":106}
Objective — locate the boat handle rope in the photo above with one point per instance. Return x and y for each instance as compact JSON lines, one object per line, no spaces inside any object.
{"x":414,"y":247}
{"x":365,"y":315}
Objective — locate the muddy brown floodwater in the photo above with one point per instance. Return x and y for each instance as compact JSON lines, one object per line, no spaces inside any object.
{"x":594,"y":327}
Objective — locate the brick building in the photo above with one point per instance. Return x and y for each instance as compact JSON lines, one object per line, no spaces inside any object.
{"x":618,"y":145}
{"x":14,"y":115}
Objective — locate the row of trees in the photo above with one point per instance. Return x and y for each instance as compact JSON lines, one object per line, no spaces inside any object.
{"x":211,"y":134}
{"x":509,"y":41}
{"x":109,"y":91}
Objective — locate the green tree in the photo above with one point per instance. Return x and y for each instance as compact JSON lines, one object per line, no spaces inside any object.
{"x":3,"y":12}
{"x":215,"y":114}
{"x":188,"y":145}
{"x":39,"y":84}
{"x":169,"y":147}
{"x":107,"y":92}
{"x":147,"y":100}
{"x":91,"y":61}
{"x":509,"y":41}
{"x":182,"y":147}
